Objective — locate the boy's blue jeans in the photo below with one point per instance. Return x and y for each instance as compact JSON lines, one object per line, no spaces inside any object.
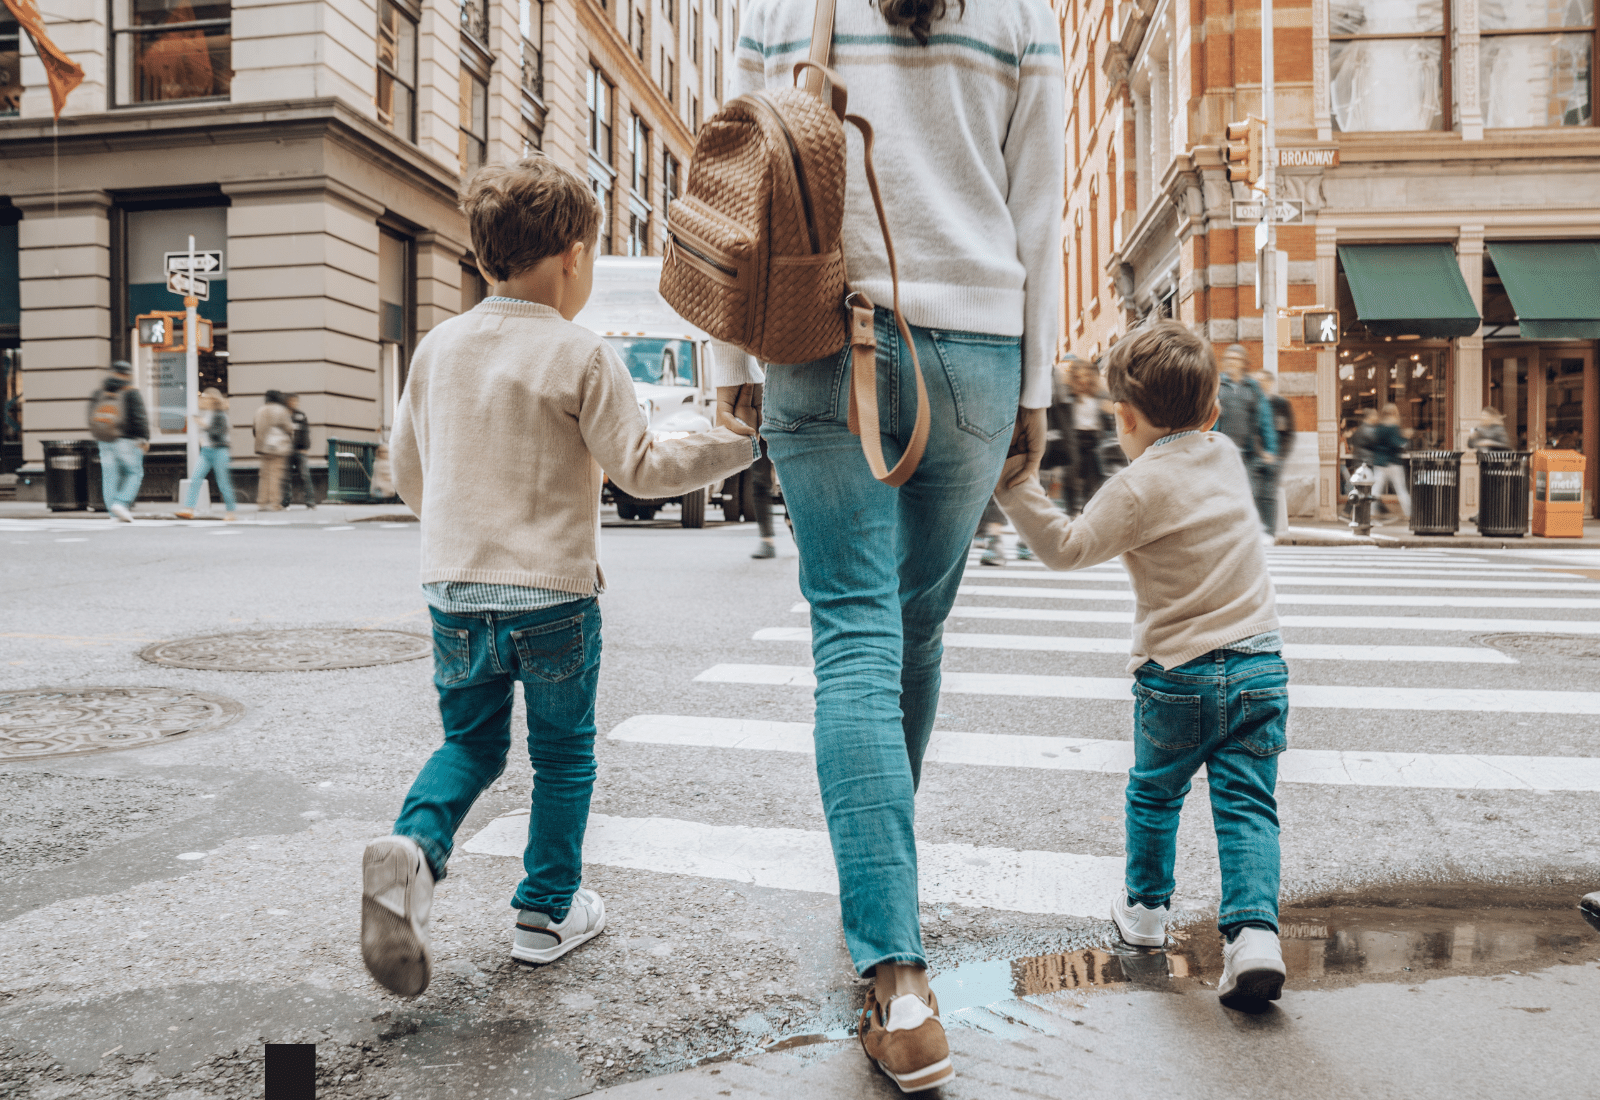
{"x":1228,"y":712}
{"x":477,"y":659}
{"x":880,"y":567}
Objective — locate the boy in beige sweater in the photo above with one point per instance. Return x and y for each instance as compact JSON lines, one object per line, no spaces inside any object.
{"x":1210,"y":684}
{"x":510,"y":414}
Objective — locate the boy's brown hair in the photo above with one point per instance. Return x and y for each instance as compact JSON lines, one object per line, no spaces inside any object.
{"x":1167,"y":373}
{"x":522,"y":213}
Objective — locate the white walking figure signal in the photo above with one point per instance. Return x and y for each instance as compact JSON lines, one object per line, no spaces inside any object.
{"x":1329,"y":333}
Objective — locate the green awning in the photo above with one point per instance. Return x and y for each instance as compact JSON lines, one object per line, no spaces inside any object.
{"x":1409,"y":289}
{"x":1554,"y":286}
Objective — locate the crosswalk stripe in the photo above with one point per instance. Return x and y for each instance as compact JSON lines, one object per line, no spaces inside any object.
{"x":802,"y":859}
{"x":1340,"y":599}
{"x":1475,"y":655}
{"x":1308,"y":622}
{"x":1293,"y":580}
{"x":1316,"y":766}
{"x":1353,"y":697}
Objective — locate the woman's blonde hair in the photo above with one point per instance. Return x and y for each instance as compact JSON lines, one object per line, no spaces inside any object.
{"x":1491,"y":413}
{"x":214,"y":395}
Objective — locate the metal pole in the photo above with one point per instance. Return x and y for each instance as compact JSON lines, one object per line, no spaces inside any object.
{"x":1268,"y":260}
{"x":191,"y":368}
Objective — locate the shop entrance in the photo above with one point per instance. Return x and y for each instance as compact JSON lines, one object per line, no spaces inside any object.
{"x":1550,"y":396}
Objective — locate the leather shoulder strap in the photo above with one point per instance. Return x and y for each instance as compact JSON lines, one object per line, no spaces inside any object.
{"x":821,"y":45}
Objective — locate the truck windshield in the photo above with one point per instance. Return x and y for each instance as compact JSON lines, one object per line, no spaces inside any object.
{"x":657,"y":361}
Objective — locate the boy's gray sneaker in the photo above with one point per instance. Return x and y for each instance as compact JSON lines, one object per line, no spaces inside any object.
{"x":538,"y":939}
{"x":396,"y":895}
{"x":1139,"y":924}
{"x":1252,"y":970}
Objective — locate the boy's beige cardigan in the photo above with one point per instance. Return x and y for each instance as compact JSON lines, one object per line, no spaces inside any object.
{"x":509,"y":415}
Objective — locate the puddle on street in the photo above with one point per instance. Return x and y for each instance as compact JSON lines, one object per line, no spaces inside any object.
{"x":1406,"y":936}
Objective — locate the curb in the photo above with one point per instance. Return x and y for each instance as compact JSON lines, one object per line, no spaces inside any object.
{"x":1314,"y":537}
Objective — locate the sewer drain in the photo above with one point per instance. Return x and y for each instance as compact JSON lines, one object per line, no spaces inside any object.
{"x":1564,"y":647}
{"x":290,"y":650}
{"x":68,"y":721}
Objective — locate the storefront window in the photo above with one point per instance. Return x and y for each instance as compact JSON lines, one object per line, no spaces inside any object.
{"x":10,"y":69}
{"x":1539,"y":390}
{"x":1387,"y":64}
{"x":172,"y":49}
{"x":395,"y":320}
{"x":1530,"y":76}
{"x":1412,"y":379}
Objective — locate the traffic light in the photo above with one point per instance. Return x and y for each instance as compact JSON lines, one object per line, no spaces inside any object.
{"x":1245,"y":141}
{"x":162,"y":331}
{"x":1322,"y":328}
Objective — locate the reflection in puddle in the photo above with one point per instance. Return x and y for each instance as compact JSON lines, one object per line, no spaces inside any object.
{"x":1322,"y":947}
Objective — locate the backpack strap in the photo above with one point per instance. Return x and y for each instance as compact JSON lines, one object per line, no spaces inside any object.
{"x":821,"y":45}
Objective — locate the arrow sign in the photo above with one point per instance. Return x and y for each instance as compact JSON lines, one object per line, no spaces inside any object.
{"x":204,"y":262}
{"x":189,"y":286}
{"x":1285,"y":211}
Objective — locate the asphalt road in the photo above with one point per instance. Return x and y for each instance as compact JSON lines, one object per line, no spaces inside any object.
{"x":165,"y":910}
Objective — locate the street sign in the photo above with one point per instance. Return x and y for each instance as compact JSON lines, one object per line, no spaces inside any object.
{"x":205,"y":263}
{"x":1308,"y":158}
{"x":1284,"y":211}
{"x":189,"y":286}
{"x":1322,"y":328}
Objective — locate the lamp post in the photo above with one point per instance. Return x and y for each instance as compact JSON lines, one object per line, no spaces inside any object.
{"x":191,"y":370}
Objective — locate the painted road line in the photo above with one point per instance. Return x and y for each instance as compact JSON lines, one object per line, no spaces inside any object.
{"x":801,"y":859}
{"x":1576,"y":584}
{"x":1337,"y":599}
{"x":997,"y":750}
{"x":1335,"y":697}
{"x":1388,"y":654}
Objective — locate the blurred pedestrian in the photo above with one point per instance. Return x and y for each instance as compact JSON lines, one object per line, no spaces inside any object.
{"x":994,"y":552}
{"x":1088,"y":432}
{"x":1246,"y":419}
{"x":214,"y":454}
{"x":1490,"y":434}
{"x":274,"y":431}
{"x":298,"y":461}
{"x":1059,"y":446}
{"x":745,"y":406}
{"x":510,"y":556}
{"x":1388,"y":443}
{"x":119,"y":424}
{"x":1271,"y":472}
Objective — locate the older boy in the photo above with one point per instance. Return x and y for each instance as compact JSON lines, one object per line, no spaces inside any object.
{"x":509,"y":415}
{"x":1210,"y":686}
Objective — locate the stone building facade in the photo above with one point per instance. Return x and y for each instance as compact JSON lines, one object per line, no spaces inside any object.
{"x":318,"y":146}
{"x":1442,"y":159}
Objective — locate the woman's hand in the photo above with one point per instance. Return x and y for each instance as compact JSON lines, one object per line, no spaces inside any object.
{"x":1027,"y":448}
{"x":739,"y":408}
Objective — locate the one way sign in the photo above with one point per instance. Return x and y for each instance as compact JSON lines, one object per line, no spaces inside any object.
{"x":205,"y":263}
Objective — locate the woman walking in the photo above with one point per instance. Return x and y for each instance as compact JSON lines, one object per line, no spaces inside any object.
{"x":966,"y":100}
{"x":214,"y":454}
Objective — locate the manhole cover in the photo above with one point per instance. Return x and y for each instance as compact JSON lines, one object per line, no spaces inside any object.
{"x":64,"y":721}
{"x":1567,"y":647}
{"x":290,"y":650}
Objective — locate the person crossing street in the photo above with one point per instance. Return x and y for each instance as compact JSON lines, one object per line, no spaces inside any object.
{"x":120,"y":426}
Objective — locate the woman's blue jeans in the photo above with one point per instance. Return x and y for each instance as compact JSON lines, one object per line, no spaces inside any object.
{"x":880,"y":567}
{"x":1227,"y":711}
{"x":215,"y":460}
{"x":477,"y":659}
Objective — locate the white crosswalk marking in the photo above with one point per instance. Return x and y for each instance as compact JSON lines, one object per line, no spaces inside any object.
{"x":1281,"y":580}
{"x":1339,"y":599}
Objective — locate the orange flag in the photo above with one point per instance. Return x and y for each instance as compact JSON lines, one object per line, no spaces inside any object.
{"x":63,"y":73}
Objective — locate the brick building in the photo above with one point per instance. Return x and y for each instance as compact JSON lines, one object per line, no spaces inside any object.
{"x":1457,"y":227}
{"x":318,"y":146}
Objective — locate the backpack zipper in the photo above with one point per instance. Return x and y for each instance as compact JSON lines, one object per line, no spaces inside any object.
{"x":799,"y":169}
{"x":679,"y":242}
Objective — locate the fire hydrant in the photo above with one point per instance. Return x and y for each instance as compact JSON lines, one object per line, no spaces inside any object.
{"x":1360,"y":499}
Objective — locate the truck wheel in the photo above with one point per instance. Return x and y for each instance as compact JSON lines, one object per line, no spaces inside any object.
{"x":626,"y":510}
{"x":694,"y":508}
{"x":646,"y":512}
{"x":732,"y":497}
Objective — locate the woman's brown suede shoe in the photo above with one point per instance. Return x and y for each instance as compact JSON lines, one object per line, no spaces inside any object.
{"x":914,"y":1058}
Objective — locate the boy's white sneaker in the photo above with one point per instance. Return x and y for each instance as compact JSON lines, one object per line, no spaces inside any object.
{"x":396,"y":895}
{"x":1138,"y":924}
{"x":1252,"y":970}
{"x":538,"y":939}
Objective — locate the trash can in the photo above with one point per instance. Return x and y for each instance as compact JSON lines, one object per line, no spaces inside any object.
{"x":1435,"y":492}
{"x":1503,"y":493}
{"x":66,"y":474}
{"x":1558,"y":494}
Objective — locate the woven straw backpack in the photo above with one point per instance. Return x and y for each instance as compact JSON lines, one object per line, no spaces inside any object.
{"x":753,"y":252}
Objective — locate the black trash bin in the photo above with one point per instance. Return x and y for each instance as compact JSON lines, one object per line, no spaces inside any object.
{"x":66,"y":474}
{"x":1503,"y":493}
{"x":1435,"y":492}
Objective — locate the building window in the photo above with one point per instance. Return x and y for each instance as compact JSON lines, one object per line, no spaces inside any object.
{"x":694,"y":34}
{"x":638,"y":235}
{"x":532,"y":24}
{"x":716,"y":73}
{"x":600,"y":184}
{"x":639,"y":151}
{"x":474,"y":122}
{"x":671,"y":8}
{"x":163,"y":53}
{"x":669,"y":77}
{"x":669,"y":179}
{"x":599,"y":116}
{"x":1534,"y":63}
{"x":396,"y":321}
{"x":475,"y":19}
{"x":694,"y":114}
{"x":1094,"y":245}
{"x":397,"y":69}
{"x":1388,"y":68}
{"x":636,"y":33}
{"x":10,"y":69}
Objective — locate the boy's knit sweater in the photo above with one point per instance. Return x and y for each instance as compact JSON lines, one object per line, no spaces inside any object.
{"x":969,"y":148}
{"x":509,"y":415}
{"x":1182,"y":519}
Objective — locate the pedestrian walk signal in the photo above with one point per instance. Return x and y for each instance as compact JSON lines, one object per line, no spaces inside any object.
{"x":1244,"y":150}
{"x":1322,"y":328}
{"x":163,"y":331}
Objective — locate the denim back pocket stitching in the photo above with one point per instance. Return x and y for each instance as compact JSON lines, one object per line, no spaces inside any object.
{"x":555,"y":658}
{"x":1266,"y":724}
{"x":1183,"y":718}
{"x":452,"y":655}
{"x":784,"y":381}
{"x":965,"y":420}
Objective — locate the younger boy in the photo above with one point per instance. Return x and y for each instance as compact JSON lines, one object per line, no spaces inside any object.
{"x":1210,"y":685}
{"x":509,"y":415}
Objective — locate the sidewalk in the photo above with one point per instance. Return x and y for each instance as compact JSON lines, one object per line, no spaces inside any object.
{"x":1394,"y":534}
{"x":248,"y":513}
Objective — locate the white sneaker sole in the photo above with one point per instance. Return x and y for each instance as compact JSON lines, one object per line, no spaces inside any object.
{"x":1132,"y":937}
{"x":551,"y":954}
{"x":928,"y":1077}
{"x":397,"y":957}
{"x":1253,"y":988}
